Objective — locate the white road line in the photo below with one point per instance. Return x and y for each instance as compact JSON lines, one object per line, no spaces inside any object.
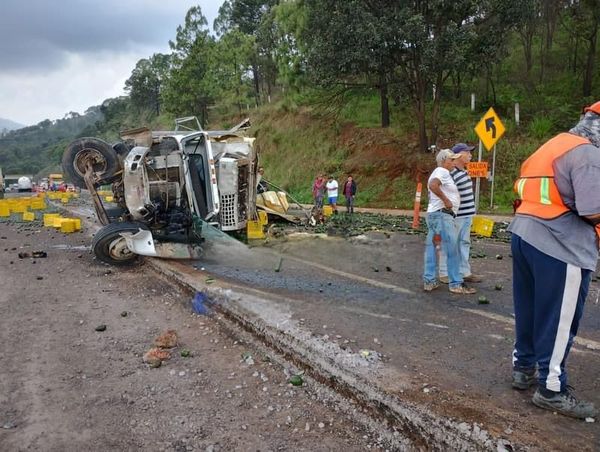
{"x":372,"y":314}
{"x":587,"y":343}
{"x":352,"y":276}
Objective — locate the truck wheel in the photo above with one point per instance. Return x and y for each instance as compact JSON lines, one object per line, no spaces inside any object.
{"x":110,"y":247}
{"x":105,"y":162}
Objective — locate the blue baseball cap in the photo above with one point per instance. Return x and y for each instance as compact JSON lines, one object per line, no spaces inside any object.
{"x":460,"y":147}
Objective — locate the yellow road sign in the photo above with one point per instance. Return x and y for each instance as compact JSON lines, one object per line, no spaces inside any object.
{"x":490,"y":129}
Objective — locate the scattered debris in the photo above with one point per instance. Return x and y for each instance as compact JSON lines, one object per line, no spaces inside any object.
{"x":39,"y":254}
{"x":499,"y":256}
{"x":124,"y":314}
{"x":296,"y":380}
{"x":155,"y":356}
{"x":168,"y":339}
{"x":9,"y":425}
{"x":247,"y":358}
{"x":483,"y":300}
{"x":39,"y":278}
{"x":209,"y":280}
{"x":100,"y":328}
{"x":498,"y":287}
{"x":199,"y":303}
{"x":24,"y":255}
{"x":185,"y":353}
{"x":278,"y":266}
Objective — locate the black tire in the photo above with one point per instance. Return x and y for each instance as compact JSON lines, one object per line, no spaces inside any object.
{"x":104,"y":157}
{"x":110,"y":247}
{"x":121,"y":149}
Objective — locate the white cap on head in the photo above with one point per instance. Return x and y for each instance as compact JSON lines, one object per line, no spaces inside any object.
{"x":444,"y":155}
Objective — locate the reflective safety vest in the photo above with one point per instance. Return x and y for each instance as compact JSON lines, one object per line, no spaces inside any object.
{"x":536,"y":187}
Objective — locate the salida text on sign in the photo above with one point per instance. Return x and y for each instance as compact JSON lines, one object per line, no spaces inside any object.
{"x":477,"y":169}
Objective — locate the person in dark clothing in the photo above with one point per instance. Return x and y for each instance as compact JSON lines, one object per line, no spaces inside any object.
{"x":349,"y":191}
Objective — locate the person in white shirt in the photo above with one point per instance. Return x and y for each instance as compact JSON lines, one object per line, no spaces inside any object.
{"x":444,"y":201}
{"x":332,"y":193}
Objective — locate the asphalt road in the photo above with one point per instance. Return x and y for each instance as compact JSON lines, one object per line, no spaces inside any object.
{"x":445,"y":352}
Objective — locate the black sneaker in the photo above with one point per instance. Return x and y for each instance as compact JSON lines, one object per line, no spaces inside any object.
{"x":523,"y":379}
{"x":565,"y":403}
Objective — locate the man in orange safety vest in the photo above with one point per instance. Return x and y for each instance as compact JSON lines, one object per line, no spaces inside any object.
{"x":555,"y":251}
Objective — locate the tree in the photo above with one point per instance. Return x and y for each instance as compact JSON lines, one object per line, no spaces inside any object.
{"x":145,"y":83}
{"x":346,"y":48}
{"x":230,"y":67}
{"x":289,"y":53}
{"x":189,"y":90}
{"x":529,"y":21}
{"x":586,"y":20}
{"x":247,"y":16}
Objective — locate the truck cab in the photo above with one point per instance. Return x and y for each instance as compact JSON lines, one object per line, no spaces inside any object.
{"x":168,"y":185}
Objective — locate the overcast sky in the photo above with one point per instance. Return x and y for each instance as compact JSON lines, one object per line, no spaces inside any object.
{"x":67,"y":55}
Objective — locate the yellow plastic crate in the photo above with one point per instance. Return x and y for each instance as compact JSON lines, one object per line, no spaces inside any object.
{"x":38,"y":205}
{"x":67,"y":225}
{"x":57,"y":222}
{"x":254,"y":230}
{"x":482,"y":226}
{"x":19,"y":207}
{"x":327,"y":211}
{"x":4,"y":210}
{"x":28,"y":216}
{"x":263,"y":218}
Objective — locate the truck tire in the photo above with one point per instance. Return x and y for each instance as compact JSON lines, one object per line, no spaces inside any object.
{"x":110,"y":247}
{"x":105,"y":162}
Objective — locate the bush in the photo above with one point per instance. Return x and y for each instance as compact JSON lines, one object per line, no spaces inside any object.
{"x":541,"y":128}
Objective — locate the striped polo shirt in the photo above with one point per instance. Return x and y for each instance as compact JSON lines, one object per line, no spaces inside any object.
{"x":465,"y":189}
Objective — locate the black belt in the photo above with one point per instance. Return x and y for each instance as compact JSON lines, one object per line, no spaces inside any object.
{"x":448,"y":211}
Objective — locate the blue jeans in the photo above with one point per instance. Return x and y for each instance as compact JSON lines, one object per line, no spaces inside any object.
{"x":350,"y":204}
{"x":463,"y":228}
{"x":443,"y":224}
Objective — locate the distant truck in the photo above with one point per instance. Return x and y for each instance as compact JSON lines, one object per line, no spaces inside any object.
{"x":24,"y":184}
{"x":55,"y":180}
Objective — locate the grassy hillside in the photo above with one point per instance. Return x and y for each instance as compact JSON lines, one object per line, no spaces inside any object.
{"x":297,"y":142}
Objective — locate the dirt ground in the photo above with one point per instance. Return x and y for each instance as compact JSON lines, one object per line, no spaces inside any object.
{"x":66,"y":387}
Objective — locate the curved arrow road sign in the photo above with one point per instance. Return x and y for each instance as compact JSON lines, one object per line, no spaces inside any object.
{"x":490,"y":129}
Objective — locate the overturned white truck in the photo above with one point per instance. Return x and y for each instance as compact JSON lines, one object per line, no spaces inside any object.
{"x":167,"y":186}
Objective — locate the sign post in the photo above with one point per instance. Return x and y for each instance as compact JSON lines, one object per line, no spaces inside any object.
{"x":493,"y":178}
{"x":478,"y":180}
{"x":489,"y":129}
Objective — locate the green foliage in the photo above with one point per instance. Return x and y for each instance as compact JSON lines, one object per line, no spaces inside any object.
{"x":32,"y":148}
{"x":369,"y":194}
{"x":330,"y":65}
{"x":144,"y":85}
{"x":190,"y":89}
{"x":540,"y":128}
{"x":361,"y":110}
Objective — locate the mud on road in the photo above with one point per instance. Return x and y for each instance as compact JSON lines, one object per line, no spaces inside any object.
{"x":66,"y":387}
